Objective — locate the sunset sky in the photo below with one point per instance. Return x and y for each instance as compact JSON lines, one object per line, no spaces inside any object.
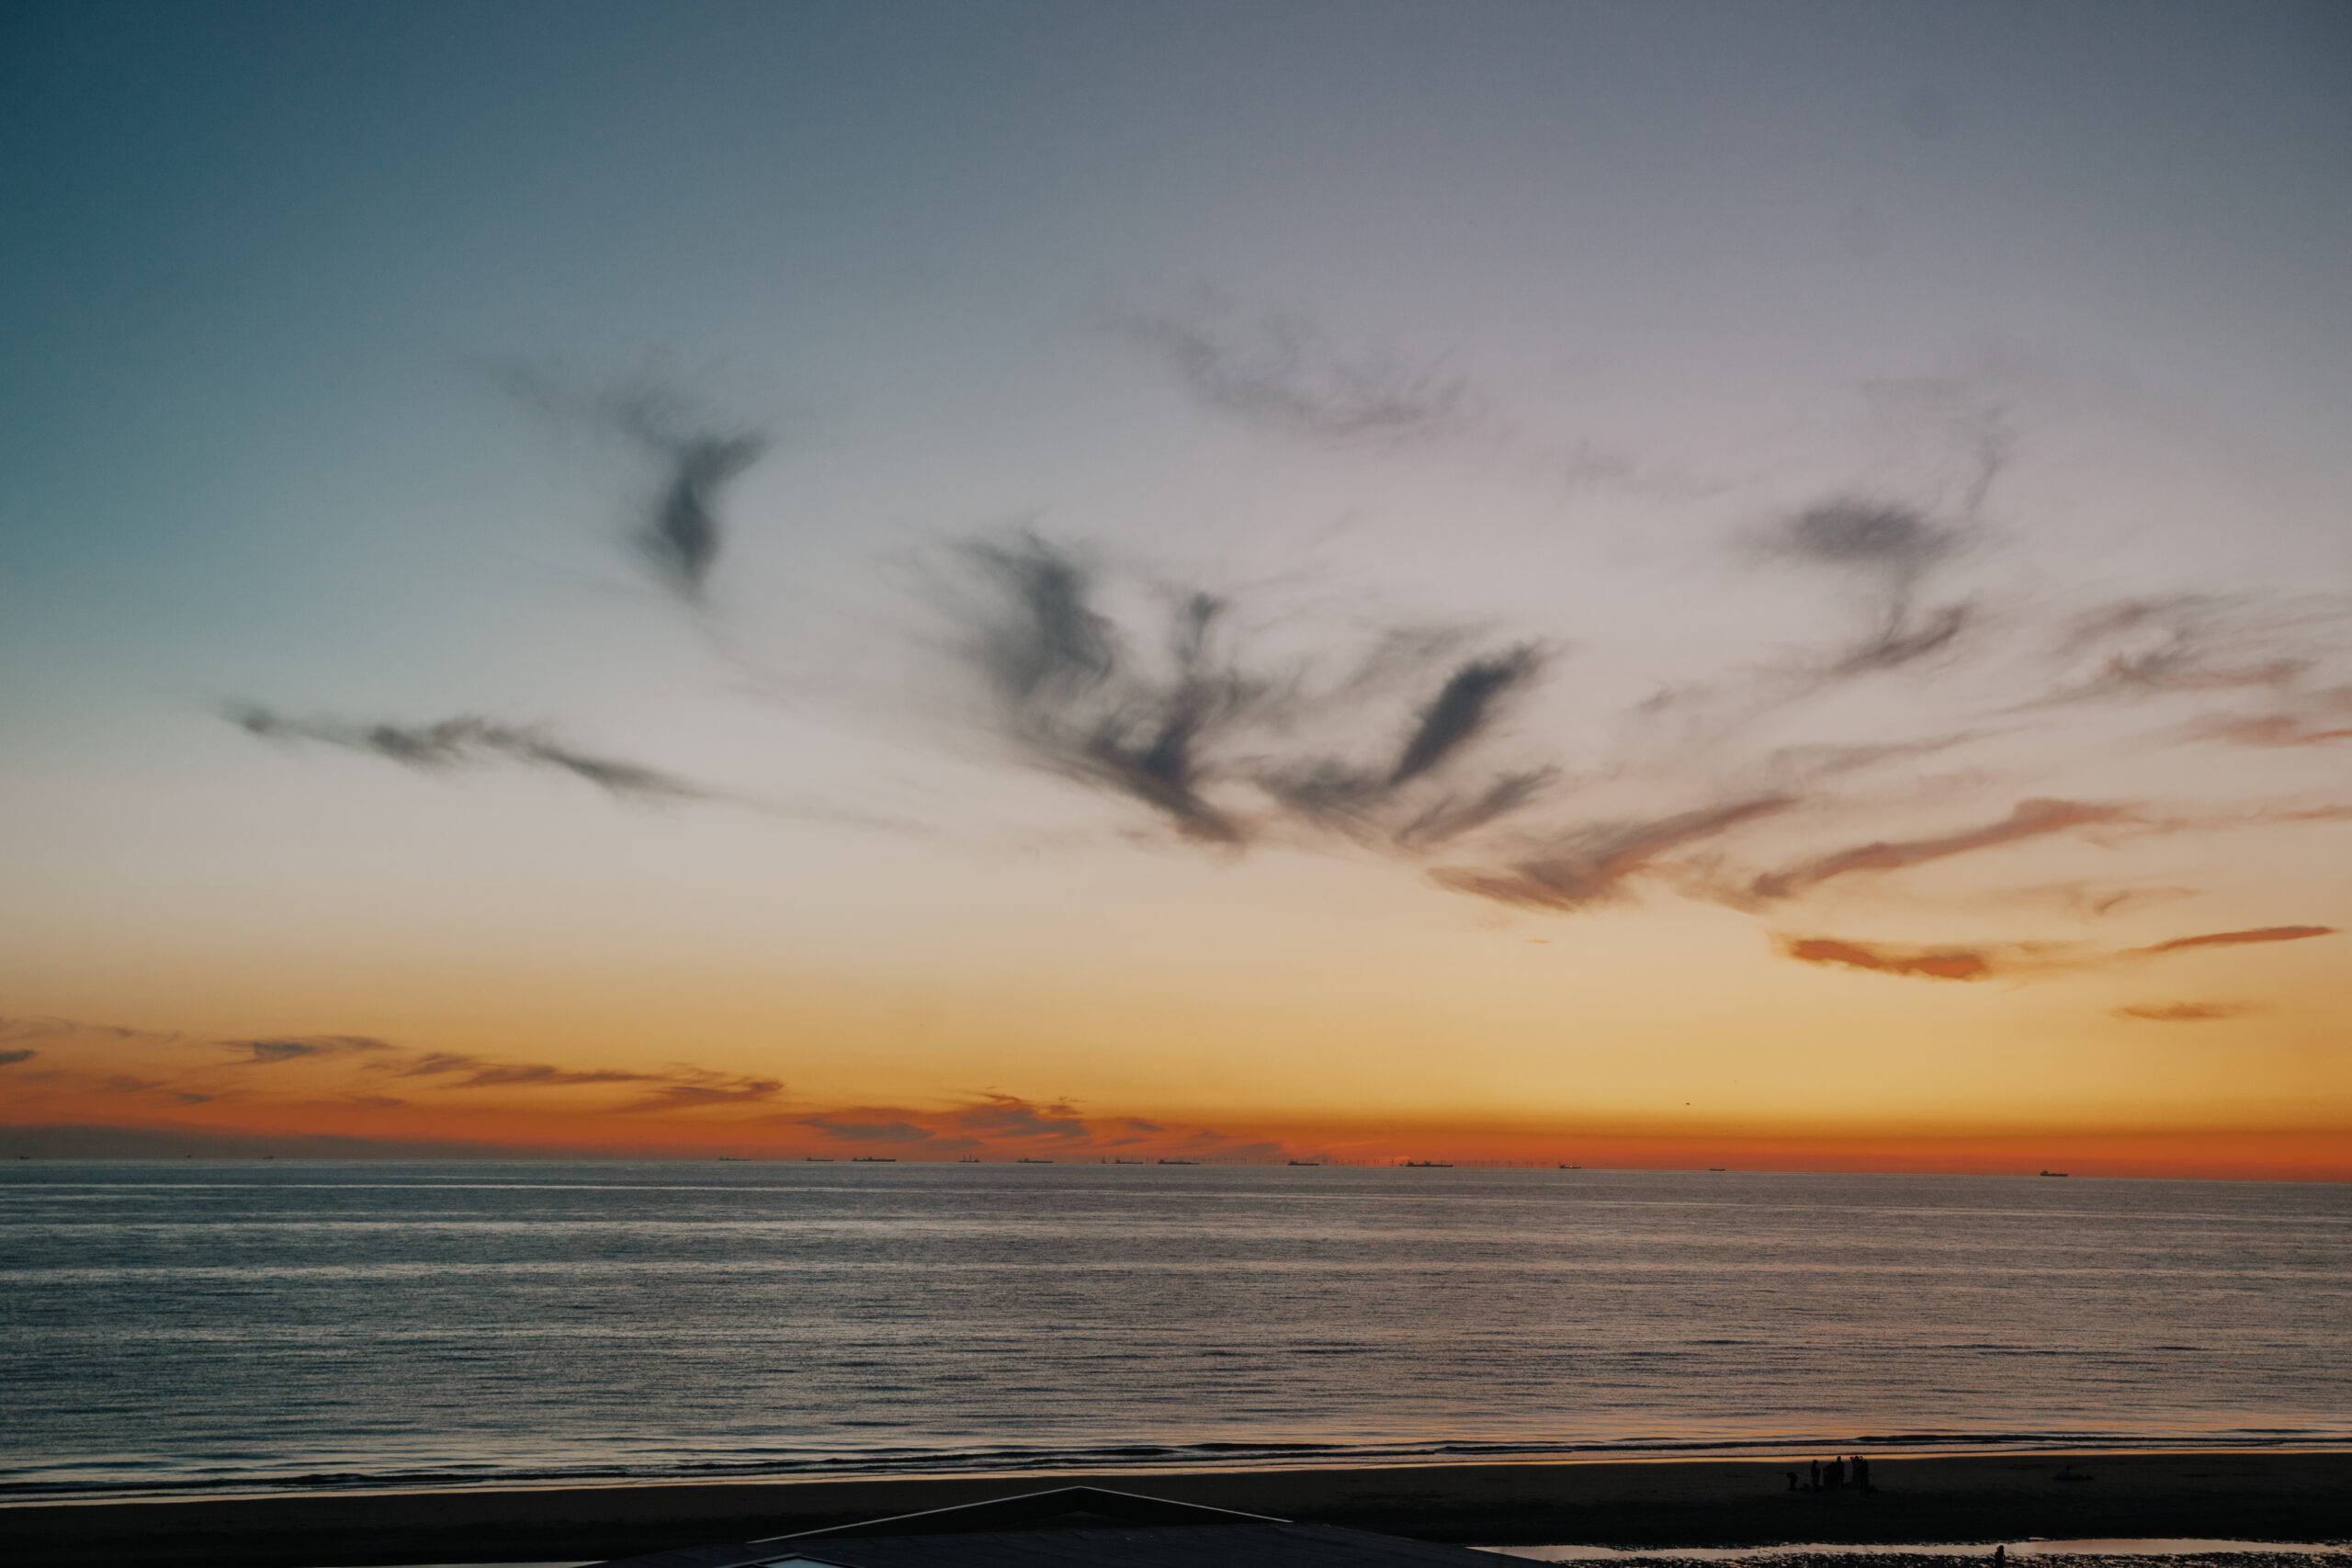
{"x":1634,"y":583}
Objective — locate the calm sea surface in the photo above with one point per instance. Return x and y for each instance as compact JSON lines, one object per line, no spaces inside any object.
{"x":204,"y":1324}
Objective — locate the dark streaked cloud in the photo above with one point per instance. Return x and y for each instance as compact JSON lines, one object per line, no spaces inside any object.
{"x":1591,"y":865}
{"x":681,"y":535}
{"x":263,"y":1052}
{"x":682,"y":538}
{"x":1885,"y":540}
{"x":1891,"y":548}
{"x":10,"y":1058}
{"x":1184,"y":723}
{"x":1073,"y":694}
{"x":1463,"y":707}
{"x":1282,"y":374}
{"x":471,"y":741}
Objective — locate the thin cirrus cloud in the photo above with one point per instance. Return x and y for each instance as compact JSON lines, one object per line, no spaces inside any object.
{"x":470,"y":741}
{"x":2016,"y":960}
{"x":1891,"y":547}
{"x":677,"y":1086}
{"x":2028,"y":819}
{"x":2321,"y":721}
{"x":1282,"y":374}
{"x":269,"y":1052}
{"x":2143,"y":647}
{"x":111,"y":1062}
{"x":1593,"y":865}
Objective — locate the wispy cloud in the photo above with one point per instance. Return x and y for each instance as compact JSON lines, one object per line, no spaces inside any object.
{"x":2016,"y":960}
{"x":2238,"y":938}
{"x":1283,"y":375}
{"x":10,"y":1058}
{"x":2320,"y":718}
{"x":470,"y":741}
{"x":1210,"y":740}
{"x":2141,"y":648}
{"x":2029,"y":819}
{"x":1889,"y":547}
{"x":265,"y":1052}
{"x":1591,"y":865}
{"x":1883,"y":958}
{"x":1073,"y":696}
{"x":681,"y":535}
{"x":679,"y":1085}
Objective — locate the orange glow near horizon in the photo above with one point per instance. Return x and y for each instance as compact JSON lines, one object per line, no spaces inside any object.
{"x":281,"y":1092}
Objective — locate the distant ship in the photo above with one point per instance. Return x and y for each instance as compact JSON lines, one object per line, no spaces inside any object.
{"x":969,"y":1159}
{"x":875,"y":1160}
{"x":819,"y":1160}
{"x":1714,"y":1167}
{"x":1130,"y":1161}
{"x":1429,"y":1165}
{"x":1315,"y":1162}
{"x":1024,"y":1159}
{"x":1180,"y":1162}
{"x":2053,"y":1173}
{"x":1572,"y":1168}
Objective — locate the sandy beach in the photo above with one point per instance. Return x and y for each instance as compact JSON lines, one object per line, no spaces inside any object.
{"x":1986,"y":1498}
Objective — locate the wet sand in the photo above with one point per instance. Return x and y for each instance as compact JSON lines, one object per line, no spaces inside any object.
{"x":1978,"y":1497}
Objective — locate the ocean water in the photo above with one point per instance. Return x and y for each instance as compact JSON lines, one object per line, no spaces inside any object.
{"x":191,"y":1326}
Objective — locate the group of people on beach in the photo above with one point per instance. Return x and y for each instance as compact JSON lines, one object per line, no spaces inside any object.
{"x":1831,"y":1476}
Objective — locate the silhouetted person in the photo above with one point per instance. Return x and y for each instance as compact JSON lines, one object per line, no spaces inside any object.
{"x":1793,"y":1479}
{"x":1861,"y":1473}
{"x":1837,"y":1472}
{"x":2000,"y":1557}
{"x":1816,"y":1477}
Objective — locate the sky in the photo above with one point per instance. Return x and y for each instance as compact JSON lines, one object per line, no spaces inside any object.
{"x":1650,"y":584}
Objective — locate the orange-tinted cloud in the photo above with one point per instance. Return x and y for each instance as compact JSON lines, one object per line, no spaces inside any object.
{"x":2272,"y":730}
{"x":2236,"y":939}
{"x":1984,"y":961}
{"x":2029,"y":819}
{"x":1932,"y":964}
{"x":2186,"y":1012}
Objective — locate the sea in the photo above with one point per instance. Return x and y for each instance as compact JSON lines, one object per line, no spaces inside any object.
{"x":193,"y":1327}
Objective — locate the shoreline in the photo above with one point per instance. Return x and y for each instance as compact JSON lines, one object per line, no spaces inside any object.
{"x":2226,"y":1494}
